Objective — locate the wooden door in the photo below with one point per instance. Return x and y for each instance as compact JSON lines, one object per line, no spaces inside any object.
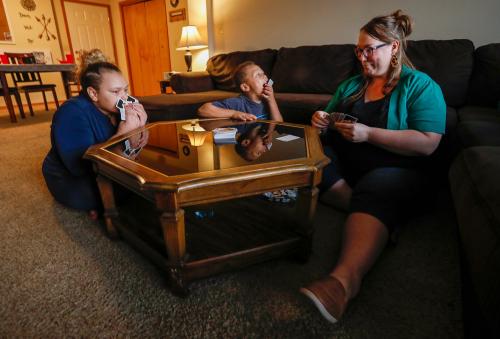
{"x":89,"y":26}
{"x":146,"y":40}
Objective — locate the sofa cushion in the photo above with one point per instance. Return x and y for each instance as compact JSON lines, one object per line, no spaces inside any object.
{"x":179,"y":106}
{"x":299,"y":107}
{"x":189,"y":82}
{"x":313,"y":69}
{"x":221,"y":66}
{"x":478,"y":113}
{"x":485,"y":82}
{"x":475,"y":189}
{"x":448,"y":62}
{"x":479,"y":133}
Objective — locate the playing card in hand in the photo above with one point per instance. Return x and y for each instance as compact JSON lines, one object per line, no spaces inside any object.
{"x":132,"y":99}
{"x":120,"y":104}
{"x":342,"y":117}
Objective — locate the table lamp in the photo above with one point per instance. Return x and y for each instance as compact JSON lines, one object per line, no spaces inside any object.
{"x":190,"y":40}
{"x":196,"y":133}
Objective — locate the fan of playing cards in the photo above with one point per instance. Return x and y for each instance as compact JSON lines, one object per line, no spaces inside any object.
{"x":120,"y":104}
{"x":342,"y":117}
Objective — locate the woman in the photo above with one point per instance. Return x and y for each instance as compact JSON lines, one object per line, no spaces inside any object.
{"x":81,"y":122}
{"x":378,"y":163}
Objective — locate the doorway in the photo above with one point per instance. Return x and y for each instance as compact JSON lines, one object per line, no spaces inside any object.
{"x":89,"y":26}
{"x":146,"y":41}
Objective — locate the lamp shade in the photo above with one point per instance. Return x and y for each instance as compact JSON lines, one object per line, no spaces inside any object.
{"x":190,"y":39}
{"x":196,"y":133}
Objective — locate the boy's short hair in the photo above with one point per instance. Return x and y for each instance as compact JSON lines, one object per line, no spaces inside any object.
{"x":239,"y":74}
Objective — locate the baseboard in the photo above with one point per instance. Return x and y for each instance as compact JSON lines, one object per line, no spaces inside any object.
{"x":36,"y":106}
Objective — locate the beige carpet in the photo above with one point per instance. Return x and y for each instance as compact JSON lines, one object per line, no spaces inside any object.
{"x":60,"y":276}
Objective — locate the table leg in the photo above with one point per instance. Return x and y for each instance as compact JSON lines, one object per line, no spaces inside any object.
{"x":66,"y":77}
{"x":7,"y":98}
{"x":172,"y":222}
{"x":108,"y":200}
{"x":307,"y":201}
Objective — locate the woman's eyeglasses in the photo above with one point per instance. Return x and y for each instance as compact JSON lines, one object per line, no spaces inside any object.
{"x":367,"y":51}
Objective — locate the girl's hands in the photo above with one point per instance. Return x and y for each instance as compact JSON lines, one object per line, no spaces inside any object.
{"x":135,"y":116}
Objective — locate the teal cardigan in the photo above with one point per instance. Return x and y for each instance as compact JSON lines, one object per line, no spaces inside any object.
{"x":416,"y":102}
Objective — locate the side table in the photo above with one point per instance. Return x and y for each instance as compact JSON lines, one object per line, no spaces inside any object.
{"x":164,"y":84}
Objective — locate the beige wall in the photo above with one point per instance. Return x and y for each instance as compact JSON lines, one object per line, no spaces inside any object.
{"x":61,"y":45}
{"x":27,"y":40}
{"x":198,"y":17}
{"x":174,"y":34}
{"x":256,"y":24}
{"x":117,"y":30}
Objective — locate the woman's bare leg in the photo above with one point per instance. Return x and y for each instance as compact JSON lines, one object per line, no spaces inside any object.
{"x":364,"y":239}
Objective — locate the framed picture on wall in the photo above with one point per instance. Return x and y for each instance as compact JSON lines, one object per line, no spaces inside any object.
{"x":43,"y":56}
{"x":39,"y":57}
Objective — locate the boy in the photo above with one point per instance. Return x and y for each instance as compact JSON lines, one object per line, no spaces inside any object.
{"x":255,"y":102}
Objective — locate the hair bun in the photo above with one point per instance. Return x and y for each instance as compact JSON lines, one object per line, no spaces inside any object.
{"x":404,"y":22}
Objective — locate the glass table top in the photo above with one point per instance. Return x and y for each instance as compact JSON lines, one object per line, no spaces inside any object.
{"x":176,"y":148}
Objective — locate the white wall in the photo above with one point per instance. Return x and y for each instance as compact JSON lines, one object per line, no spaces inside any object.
{"x":256,"y":24}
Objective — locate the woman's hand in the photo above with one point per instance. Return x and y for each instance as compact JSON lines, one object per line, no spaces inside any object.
{"x":320,"y":119}
{"x":354,"y":132}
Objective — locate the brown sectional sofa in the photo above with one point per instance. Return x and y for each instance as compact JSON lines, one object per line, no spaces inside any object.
{"x":305,"y":78}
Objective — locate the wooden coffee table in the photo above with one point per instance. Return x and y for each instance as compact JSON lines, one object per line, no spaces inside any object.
{"x":159,"y":166}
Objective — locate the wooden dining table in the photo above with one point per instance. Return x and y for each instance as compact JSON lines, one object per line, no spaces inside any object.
{"x":66,"y":71}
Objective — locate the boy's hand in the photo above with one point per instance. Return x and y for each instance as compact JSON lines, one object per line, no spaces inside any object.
{"x":268,"y":92}
{"x":243,"y":116}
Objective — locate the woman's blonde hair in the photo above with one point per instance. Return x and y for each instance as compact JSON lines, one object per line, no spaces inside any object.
{"x":389,"y":28}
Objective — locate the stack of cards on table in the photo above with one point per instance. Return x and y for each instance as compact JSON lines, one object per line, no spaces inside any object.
{"x":120,"y":104}
{"x":225,"y":135}
{"x":342,"y":117}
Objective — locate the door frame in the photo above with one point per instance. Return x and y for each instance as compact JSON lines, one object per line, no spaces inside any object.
{"x":91,"y":4}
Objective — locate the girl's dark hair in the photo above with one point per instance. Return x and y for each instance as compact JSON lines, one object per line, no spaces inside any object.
{"x":389,"y":28}
{"x":91,"y":76}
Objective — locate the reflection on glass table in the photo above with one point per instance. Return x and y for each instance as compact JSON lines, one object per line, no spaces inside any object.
{"x":168,"y":148}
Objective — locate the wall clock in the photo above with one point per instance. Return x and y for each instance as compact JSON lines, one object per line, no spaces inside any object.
{"x":174,"y":3}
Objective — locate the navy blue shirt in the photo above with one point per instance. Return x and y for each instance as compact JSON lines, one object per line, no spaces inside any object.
{"x":244,"y":104}
{"x":76,"y":126}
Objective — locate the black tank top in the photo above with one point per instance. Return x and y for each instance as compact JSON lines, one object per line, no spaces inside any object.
{"x":359,"y":158}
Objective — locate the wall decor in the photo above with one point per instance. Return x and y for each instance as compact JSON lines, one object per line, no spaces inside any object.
{"x":29,"y":5}
{"x":177,"y":15}
{"x":39,"y":57}
{"x":45,"y":22}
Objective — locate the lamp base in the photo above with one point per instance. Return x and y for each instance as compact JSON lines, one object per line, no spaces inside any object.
{"x":188,"y":57}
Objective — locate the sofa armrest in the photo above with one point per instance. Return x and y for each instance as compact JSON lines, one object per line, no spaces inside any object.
{"x":189,"y":82}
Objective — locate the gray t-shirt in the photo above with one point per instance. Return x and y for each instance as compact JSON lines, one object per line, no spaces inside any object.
{"x":243,"y":104}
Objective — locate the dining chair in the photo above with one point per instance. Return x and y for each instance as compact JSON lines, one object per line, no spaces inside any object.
{"x":30,"y":77}
{"x":13,"y":91}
